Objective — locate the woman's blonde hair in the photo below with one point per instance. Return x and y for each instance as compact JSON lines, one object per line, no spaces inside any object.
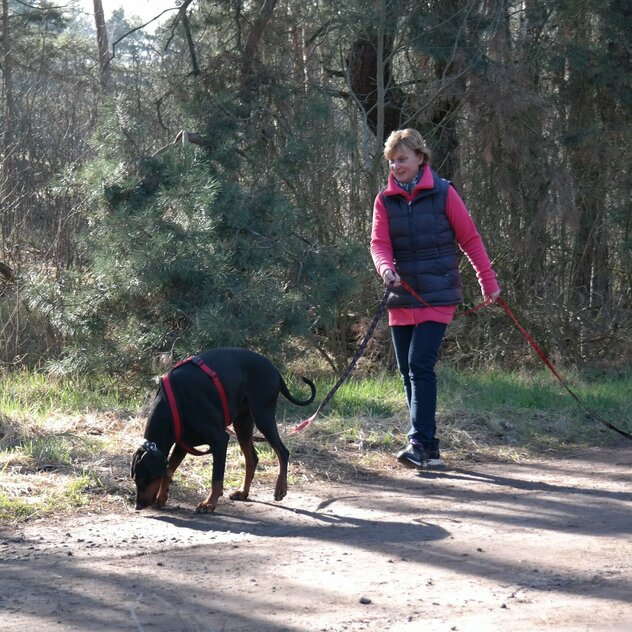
{"x":410,"y":138}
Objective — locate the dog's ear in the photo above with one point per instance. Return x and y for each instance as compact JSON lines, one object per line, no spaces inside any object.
{"x":153,"y":459}
{"x":135,"y":458}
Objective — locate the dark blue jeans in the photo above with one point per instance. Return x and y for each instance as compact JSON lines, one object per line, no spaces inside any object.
{"x":416,"y":351}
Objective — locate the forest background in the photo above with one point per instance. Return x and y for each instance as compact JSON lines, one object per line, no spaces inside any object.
{"x":210,"y":181}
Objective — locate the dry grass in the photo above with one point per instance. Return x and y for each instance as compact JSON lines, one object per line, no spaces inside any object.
{"x":56,"y":463}
{"x":81,"y":463}
{"x":67,"y":463}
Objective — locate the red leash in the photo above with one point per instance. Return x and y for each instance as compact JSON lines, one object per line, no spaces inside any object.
{"x":424,"y":302}
{"x":511,"y":315}
{"x":551,"y":368}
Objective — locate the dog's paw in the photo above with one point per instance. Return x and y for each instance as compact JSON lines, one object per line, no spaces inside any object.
{"x":209,"y":504}
{"x":280,"y":491}
{"x":240,"y":494}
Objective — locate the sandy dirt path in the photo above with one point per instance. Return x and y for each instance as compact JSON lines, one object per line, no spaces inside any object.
{"x":540,"y":545}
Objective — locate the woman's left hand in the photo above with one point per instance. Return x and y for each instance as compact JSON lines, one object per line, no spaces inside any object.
{"x":491,"y":298}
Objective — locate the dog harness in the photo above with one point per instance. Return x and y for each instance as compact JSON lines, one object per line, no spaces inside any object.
{"x":165,"y":381}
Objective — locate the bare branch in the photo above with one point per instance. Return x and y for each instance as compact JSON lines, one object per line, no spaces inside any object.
{"x":186,"y":138}
{"x":142,"y":26}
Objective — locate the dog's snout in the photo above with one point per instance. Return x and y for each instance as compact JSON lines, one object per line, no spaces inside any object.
{"x":143,"y":501}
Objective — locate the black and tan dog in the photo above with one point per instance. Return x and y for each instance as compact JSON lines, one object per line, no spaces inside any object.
{"x":190,"y":409}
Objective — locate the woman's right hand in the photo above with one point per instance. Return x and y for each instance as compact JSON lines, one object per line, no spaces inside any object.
{"x":391,"y":277}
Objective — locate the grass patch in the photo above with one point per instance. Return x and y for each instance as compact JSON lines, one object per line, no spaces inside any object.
{"x":14,"y":509}
{"x":49,"y":452}
{"x":80,"y":490}
{"x":66,"y":444}
{"x":41,"y":395}
{"x":533,"y":411}
{"x":41,"y":496}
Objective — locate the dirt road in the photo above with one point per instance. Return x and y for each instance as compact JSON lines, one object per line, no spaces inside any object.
{"x":540,"y":545}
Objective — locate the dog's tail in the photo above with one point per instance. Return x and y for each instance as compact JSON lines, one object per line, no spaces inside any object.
{"x":299,"y":402}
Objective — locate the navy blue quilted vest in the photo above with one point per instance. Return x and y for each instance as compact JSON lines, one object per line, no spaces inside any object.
{"x":424,"y":247}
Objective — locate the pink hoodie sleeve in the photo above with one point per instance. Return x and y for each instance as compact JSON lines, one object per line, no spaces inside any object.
{"x":470,"y":242}
{"x":381,"y":245}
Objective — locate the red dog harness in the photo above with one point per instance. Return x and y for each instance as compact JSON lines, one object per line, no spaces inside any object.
{"x":165,"y":381}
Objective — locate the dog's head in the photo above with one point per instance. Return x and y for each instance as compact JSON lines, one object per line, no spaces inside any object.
{"x":149,"y":465}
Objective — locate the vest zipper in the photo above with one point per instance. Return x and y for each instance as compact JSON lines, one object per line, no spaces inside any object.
{"x":411,"y":229}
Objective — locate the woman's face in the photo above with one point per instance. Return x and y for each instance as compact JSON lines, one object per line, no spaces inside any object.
{"x":404,"y":163}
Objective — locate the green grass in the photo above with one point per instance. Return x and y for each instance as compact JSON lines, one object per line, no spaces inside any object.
{"x":78,"y":492}
{"x":535,"y":411}
{"x":40,"y":395}
{"x":66,"y":443}
{"x":492,"y":409}
{"x":54,"y":437}
{"x":75,"y":493}
{"x":378,"y":397}
{"x":14,"y":509}
{"x":495,"y":390}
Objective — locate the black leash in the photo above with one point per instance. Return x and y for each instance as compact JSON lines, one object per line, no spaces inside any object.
{"x":361,"y":349}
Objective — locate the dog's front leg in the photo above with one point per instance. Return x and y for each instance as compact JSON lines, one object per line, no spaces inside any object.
{"x":176,"y":457}
{"x":218,"y":448}
{"x":208,"y":505}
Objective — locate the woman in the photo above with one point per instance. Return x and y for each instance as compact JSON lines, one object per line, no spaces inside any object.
{"x":418,"y":222}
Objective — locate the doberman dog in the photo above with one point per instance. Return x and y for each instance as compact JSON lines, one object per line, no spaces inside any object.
{"x":245,"y":392}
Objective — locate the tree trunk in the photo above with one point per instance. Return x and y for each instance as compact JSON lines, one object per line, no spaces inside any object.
{"x":103,"y":46}
{"x":7,"y":217}
{"x":249,"y":80}
{"x":7,"y":68}
{"x":589,"y":284}
{"x":374,"y":51}
{"x":363,"y":62}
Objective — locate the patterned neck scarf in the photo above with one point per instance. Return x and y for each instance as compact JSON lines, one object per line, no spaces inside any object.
{"x":409,"y":186}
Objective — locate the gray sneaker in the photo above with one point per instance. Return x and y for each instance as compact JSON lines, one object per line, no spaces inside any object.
{"x":434,"y":457}
{"x":413,"y":455}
